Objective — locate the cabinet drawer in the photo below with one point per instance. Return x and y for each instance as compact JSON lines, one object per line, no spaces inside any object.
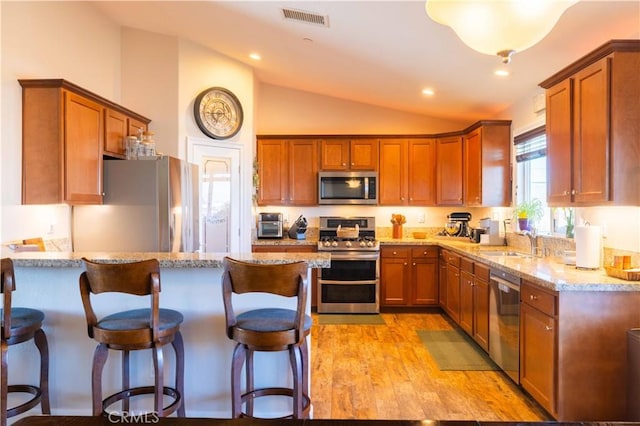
{"x":397,"y":252}
{"x":481,"y":271}
{"x":466,"y":265}
{"x":539,"y":299}
{"x":425,"y":251}
{"x":453,"y":259}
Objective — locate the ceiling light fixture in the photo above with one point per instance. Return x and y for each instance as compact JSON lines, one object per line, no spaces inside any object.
{"x":428,"y":92}
{"x":499,"y":27}
{"x":255,"y":56}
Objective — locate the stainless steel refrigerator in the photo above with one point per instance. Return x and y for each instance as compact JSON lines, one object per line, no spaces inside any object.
{"x":150,"y":205}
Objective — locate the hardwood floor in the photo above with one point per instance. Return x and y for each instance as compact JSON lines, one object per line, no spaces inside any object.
{"x":385,"y":372}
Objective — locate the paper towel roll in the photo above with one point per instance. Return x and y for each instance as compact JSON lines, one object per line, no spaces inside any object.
{"x":588,"y":240}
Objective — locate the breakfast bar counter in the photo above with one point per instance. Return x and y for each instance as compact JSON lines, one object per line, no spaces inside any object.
{"x":191,"y":284}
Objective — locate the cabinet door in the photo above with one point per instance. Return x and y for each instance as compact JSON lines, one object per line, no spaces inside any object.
{"x":393,"y":279}
{"x":591,"y":153}
{"x":473,"y":168}
{"x":83,"y":150}
{"x":424,"y":281}
{"x":449,"y":171}
{"x":363,"y":154}
{"x":303,"y":172}
{"x":421,"y":160}
{"x":559,"y":140}
{"x":538,"y":355}
{"x":135,"y":127}
{"x":466,"y":302}
{"x":392,"y":185}
{"x":442,"y":279}
{"x":115,"y":131}
{"x":272,"y":172}
{"x":334,"y":154}
{"x":453,"y":292}
{"x":481,"y":308}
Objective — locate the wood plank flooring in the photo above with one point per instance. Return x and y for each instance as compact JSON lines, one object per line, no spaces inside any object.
{"x":385,"y":372}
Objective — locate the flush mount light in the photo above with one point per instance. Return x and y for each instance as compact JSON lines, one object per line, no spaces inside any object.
{"x":499,"y":27}
{"x":255,"y":56}
{"x":428,"y":92}
{"x":501,"y":73}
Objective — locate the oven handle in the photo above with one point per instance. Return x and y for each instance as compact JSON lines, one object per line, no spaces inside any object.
{"x":362,"y":256}
{"x":364,"y":282}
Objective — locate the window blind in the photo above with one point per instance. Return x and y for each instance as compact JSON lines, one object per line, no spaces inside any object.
{"x":531,"y":145}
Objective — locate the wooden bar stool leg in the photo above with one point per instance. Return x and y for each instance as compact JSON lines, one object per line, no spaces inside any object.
{"x":40,"y":339}
{"x":126,"y":379}
{"x":296,"y":368}
{"x":178,"y":347}
{"x":158,"y":365}
{"x":99,"y":359}
{"x":237,"y":362}
{"x":4,"y":374}
{"x":304,"y":350}
{"x":249,"y":380}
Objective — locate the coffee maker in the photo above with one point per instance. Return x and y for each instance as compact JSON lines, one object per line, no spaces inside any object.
{"x":458,"y":224}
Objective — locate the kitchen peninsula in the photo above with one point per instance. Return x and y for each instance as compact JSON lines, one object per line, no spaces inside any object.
{"x":191,"y":284}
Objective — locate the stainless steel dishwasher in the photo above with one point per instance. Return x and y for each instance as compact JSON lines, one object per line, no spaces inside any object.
{"x":504,"y":322}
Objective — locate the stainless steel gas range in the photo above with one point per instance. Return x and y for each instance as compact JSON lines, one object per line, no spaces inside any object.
{"x":352,"y":283}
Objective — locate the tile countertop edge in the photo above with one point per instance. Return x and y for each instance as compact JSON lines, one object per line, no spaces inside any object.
{"x":167,"y":260}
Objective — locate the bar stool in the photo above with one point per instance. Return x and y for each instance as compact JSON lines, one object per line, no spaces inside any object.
{"x":131,"y":330}
{"x":20,"y":325}
{"x":267,"y":329}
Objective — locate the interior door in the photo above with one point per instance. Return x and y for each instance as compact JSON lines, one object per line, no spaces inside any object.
{"x":220,"y":189}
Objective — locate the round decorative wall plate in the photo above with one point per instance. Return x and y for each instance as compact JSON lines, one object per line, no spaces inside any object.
{"x":218,"y":113}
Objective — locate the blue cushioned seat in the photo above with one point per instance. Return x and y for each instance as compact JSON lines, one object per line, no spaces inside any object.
{"x":270,"y":319}
{"x":25,"y":317}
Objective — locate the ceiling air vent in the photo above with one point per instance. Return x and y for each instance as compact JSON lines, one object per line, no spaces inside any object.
{"x":306,"y":17}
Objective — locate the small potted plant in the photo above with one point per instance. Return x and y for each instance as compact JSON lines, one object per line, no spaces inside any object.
{"x":529,"y":213}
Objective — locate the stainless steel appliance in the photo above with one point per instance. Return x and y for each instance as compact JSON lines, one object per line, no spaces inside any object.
{"x":270,"y":225}
{"x":352,"y":283}
{"x":298,"y":229}
{"x":504,"y":322}
{"x":347,"y":188}
{"x":150,"y":205}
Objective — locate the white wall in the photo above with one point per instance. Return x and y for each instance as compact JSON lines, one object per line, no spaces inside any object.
{"x":67,"y":40}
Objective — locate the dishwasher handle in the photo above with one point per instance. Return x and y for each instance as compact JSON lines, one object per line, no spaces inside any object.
{"x":504,"y":285}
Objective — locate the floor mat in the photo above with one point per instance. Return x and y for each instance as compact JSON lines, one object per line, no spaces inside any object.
{"x":357,"y":319}
{"x":454,"y":350}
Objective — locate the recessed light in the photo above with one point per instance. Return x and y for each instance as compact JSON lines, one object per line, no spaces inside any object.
{"x":501,"y":73}
{"x":428,"y":92}
{"x":255,"y":56}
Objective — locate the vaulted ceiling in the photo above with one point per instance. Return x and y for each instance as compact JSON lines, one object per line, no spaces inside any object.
{"x":379,"y":52}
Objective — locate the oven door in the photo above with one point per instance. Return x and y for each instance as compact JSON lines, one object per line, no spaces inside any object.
{"x":350,"y":285}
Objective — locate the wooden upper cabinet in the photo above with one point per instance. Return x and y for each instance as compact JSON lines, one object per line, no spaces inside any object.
{"x":559,"y":141}
{"x":287,"y":172}
{"x":449,"y":171}
{"x":407,"y":172}
{"x":487,"y":165}
{"x":593,"y":134}
{"x":118,"y":126}
{"x":349,"y":154}
{"x":66,"y":131}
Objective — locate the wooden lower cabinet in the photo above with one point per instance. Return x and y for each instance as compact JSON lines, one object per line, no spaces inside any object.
{"x":538,"y":337}
{"x":452,"y":290}
{"x":409,"y":276}
{"x":293,"y":248}
{"x":466,"y":295}
{"x":474,"y":301}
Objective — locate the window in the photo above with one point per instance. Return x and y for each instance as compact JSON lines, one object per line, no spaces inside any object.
{"x":531,"y":159}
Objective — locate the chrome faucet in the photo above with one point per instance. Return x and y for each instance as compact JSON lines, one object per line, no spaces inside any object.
{"x":533,"y":240}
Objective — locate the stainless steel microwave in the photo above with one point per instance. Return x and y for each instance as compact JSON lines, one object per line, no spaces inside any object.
{"x":347,"y":188}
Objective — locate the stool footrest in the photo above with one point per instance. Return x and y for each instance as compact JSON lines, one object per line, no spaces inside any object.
{"x":145,"y":390}
{"x":25,"y":406}
{"x":274,"y":391}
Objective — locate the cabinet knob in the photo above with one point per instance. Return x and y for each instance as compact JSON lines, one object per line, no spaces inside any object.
{"x":574,"y":192}
{"x":548,"y":328}
{"x":414,"y":263}
{"x":565,"y":192}
{"x":405,"y":263}
{"x":395,"y":252}
{"x":532,"y":297}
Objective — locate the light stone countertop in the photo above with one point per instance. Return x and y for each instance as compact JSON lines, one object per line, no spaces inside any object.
{"x":546,"y":272}
{"x":167,"y":260}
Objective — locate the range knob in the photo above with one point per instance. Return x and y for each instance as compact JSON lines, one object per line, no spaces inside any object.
{"x":348,"y":243}
{"x":370,"y":244}
{"x":334,"y":244}
{"x":327,"y":243}
{"x":363,"y":243}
